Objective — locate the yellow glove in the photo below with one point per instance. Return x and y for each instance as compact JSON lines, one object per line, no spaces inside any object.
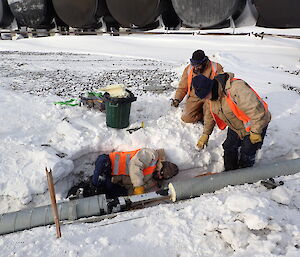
{"x":255,"y":137}
{"x":139,"y":190}
{"x":202,"y":141}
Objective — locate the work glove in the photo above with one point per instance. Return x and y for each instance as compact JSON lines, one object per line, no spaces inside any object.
{"x":175,"y":102}
{"x":202,"y":141}
{"x":255,"y":137}
{"x":139,"y":190}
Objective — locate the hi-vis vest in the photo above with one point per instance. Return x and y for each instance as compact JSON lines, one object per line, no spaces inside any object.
{"x":120,"y":163}
{"x":237,"y":112}
{"x":190,"y":75}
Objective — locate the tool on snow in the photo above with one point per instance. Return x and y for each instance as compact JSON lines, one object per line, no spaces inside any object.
{"x":70,"y":102}
{"x":131,"y":130}
{"x":271,"y":183}
{"x":53,"y":201}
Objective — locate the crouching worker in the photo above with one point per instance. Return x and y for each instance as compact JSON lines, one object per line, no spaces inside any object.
{"x":134,"y":172}
{"x":232,"y":102}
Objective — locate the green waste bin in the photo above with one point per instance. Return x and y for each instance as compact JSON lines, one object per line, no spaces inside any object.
{"x":118,"y":110}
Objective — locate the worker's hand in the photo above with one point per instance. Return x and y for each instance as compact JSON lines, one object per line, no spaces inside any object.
{"x":255,"y":137}
{"x":139,"y":190}
{"x":175,"y":102}
{"x":202,"y":141}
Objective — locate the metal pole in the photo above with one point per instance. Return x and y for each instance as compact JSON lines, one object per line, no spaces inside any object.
{"x":53,"y":201}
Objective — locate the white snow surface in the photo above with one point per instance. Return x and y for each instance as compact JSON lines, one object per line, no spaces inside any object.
{"x":247,"y":220}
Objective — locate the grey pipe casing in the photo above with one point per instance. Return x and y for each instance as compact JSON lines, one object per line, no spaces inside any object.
{"x":194,"y":187}
{"x":41,"y":216}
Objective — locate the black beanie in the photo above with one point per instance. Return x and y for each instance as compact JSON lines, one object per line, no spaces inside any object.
{"x":198,"y":55}
{"x":198,"y":58}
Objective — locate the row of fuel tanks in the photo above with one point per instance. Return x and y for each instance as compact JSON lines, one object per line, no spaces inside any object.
{"x":144,"y":14}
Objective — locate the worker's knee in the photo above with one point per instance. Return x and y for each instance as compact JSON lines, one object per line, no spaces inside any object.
{"x":191,"y":119}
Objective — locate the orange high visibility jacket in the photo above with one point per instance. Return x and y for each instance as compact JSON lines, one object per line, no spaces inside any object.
{"x":120,"y":163}
{"x":190,"y":74}
{"x":237,"y":112}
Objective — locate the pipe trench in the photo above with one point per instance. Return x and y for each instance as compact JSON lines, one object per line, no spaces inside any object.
{"x":194,"y":187}
{"x":98,"y":205}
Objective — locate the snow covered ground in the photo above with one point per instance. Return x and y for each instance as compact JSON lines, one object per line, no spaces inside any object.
{"x":246,"y":220}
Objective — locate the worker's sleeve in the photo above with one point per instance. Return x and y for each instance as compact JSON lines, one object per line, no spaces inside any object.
{"x":138,"y":163}
{"x":250,"y":104}
{"x":183,"y":86}
{"x":209,"y":122}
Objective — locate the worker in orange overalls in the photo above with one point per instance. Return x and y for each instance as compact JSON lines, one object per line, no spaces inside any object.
{"x":132,"y":172}
{"x":232,"y":102}
{"x":199,"y":64}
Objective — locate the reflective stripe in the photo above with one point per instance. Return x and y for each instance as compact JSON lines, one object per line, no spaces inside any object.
{"x":247,"y":124}
{"x":153,"y":162}
{"x":120,"y":163}
{"x":116,"y":165}
{"x":190,"y":78}
{"x":238,"y":112}
{"x":151,"y":168}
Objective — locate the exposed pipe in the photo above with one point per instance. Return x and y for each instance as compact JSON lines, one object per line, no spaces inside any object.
{"x":73,"y":210}
{"x":194,"y":187}
{"x":41,"y":216}
{"x":98,"y":205}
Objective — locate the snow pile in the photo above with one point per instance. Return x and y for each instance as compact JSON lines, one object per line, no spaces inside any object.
{"x":236,"y":221}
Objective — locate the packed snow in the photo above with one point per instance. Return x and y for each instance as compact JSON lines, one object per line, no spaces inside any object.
{"x":247,"y":220}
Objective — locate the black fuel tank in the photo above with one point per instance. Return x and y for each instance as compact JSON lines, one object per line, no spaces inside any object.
{"x":32,"y":13}
{"x":278,"y":13}
{"x":6,"y":16}
{"x":135,"y":13}
{"x":207,"y":13}
{"x":81,"y":13}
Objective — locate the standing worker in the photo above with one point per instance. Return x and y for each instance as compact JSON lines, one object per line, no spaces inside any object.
{"x":199,"y":64}
{"x":133,"y":172}
{"x":233,"y":103}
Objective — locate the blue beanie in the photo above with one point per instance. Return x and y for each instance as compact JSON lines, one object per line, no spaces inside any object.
{"x":202,"y":85}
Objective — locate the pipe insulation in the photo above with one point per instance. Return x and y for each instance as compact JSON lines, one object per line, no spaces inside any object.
{"x":194,"y":187}
{"x":41,"y":216}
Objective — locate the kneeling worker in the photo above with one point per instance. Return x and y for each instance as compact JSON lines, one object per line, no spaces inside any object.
{"x":199,"y":64}
{"x":134,"y":172}
{"x":232,"y":102}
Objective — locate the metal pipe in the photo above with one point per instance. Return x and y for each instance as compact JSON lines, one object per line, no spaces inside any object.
{"x":194,"y":187}
{"x":41,"y":216}
{"x":98,"y":205}
{"x":73,"y":210}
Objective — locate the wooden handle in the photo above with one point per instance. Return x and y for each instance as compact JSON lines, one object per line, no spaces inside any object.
{"x":53,"y":202}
